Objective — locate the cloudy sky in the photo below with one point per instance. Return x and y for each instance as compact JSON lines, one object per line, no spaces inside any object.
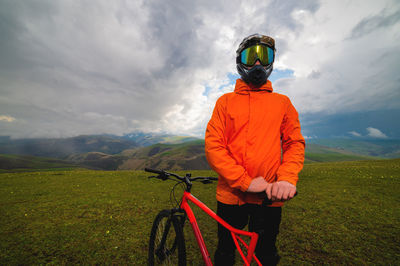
{"x":92,"y":67}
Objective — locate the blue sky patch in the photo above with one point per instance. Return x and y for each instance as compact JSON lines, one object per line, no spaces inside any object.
{"x":206,"y":90}
{"x":279,"y":74}
{"x":233,"y":77}
{"x":276,"y":74}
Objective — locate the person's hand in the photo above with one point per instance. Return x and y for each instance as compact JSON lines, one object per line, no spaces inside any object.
{"x":280,"y":191}
{"x":258,"y":184}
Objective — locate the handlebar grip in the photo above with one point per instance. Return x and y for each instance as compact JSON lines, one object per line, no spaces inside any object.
{"x":159,"y":172}
{"x":267,"y":201}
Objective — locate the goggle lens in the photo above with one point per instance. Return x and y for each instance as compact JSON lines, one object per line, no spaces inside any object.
{"x":263,"y":53}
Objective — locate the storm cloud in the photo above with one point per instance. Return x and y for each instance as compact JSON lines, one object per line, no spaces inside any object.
{"x":82,"y":67}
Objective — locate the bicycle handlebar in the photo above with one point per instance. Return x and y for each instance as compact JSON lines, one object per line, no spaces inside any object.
{"x":153,"y":171}
{"x":165,"y":175}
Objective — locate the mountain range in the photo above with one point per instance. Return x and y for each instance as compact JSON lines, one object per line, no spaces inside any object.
{"x":138,"y":150}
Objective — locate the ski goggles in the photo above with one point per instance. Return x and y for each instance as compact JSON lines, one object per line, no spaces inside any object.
{"x":263,"y":53}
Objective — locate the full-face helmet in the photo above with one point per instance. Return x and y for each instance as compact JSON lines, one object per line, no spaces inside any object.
{"x":253,"y":48}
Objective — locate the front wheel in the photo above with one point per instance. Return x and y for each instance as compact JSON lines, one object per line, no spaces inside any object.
{"x":167,"y":244}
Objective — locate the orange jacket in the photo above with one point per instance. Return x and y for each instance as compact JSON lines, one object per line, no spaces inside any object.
{"x":249,"y":131}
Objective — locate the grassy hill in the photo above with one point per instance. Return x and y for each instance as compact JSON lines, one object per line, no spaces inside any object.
{"x":345,"y":213}
{"x":187,"y":155}
{"x":97,"y":160}
{"x":111,"y":154}
{"x":320,"y":153}
{"x":29,"y":163}
{"x":384,"y":148}
{"x":148,"y":139}
{"x":190,"y":155}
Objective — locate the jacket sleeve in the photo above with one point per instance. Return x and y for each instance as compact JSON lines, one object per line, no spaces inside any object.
{"x":293,"y":146}
{"x":218,"y":156}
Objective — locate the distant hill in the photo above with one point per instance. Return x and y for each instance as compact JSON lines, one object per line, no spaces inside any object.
{"x":191,"y":156}
{"x":64,"y":147}
{"x":26,"y":162}
{"x":385,"y":148}
{"x":320,"y":153}
{"x":147,"y":139}
{"x":97,"y":160}
{"x":176,"y":153}
{"x":188,"y":155}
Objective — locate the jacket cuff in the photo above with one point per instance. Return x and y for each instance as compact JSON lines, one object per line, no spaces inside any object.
{"x":245,"y":182}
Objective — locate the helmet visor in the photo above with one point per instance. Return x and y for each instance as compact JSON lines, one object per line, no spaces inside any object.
{"x":263,"y":53}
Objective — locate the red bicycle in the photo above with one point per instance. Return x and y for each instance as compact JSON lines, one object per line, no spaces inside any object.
{"x":167,"y":242}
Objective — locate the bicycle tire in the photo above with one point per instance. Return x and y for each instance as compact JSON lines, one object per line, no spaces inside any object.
{"x":173,"y":251}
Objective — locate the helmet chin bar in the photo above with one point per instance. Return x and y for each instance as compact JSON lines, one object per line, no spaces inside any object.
{"x":256,"y":76}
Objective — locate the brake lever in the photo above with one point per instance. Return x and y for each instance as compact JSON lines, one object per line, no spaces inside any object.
{"x":160,"y":176}
{"x":206,"y":181}
{"x":163,"y":176}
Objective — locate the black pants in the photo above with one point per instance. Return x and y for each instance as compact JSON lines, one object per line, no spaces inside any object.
{"x":261,"y":219}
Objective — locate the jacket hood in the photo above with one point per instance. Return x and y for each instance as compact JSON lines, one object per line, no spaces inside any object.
{"x":242,"y":87}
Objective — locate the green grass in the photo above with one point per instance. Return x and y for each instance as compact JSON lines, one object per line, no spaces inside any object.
{"x":345,"y":213}
{"x":333,"y":157}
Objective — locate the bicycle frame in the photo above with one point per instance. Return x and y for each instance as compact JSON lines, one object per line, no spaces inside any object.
{"x":187,"y":196}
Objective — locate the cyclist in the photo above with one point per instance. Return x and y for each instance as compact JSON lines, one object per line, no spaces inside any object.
{"x":253,"y":141}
